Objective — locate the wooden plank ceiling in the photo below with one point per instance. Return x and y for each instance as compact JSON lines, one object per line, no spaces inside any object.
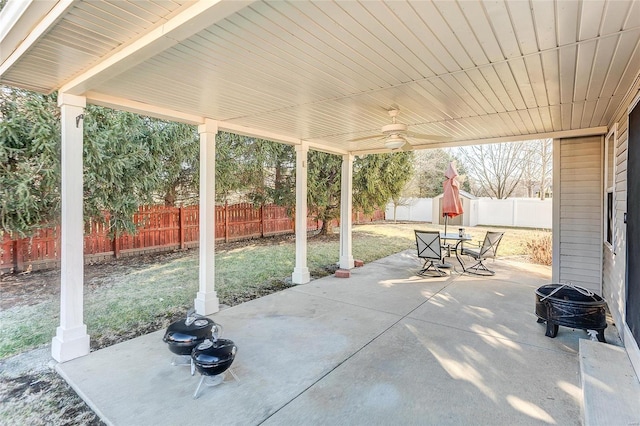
{"x":328,"y":71}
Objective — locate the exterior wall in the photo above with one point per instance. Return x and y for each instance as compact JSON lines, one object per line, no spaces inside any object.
{"x":468,"y":218}
{"x":614,"y":259}
{"x":577,"y":212}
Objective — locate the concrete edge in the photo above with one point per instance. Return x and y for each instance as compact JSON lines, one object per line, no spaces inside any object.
{"x":59,"y":369}
{"x":610,"y":389}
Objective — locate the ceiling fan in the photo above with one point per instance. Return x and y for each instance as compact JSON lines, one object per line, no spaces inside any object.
{"x":395,"y":134}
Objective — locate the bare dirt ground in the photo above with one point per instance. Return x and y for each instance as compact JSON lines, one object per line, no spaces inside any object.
{"x":31,"y":392}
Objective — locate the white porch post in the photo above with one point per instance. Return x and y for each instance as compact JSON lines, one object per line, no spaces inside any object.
{"x":71,"y":339}
{"x":346,"y":207}
{"x":206,"y":301}
{"x":301,"y":273}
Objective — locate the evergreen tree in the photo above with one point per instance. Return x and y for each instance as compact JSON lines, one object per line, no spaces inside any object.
{"x":376,"y":179}
{"x":323,"y":186}
{"x":29,"y":161}
{"x":129,"y":160}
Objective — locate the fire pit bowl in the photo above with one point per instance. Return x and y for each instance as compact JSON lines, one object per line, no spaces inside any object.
{"x":184,"y":335}
{"x":570,"y":306}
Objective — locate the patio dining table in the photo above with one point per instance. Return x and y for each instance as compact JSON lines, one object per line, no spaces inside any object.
{"x":460,"y":239}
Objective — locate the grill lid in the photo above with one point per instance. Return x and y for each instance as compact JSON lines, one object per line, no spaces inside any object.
{"x":199,"y":328}
{"x":211,"y":353}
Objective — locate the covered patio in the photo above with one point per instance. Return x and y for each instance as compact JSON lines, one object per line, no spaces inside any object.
{"x":384,"y":347}
{"x":357,"y":78}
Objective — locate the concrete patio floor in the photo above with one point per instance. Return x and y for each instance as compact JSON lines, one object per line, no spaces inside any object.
{"x":381,"y":347}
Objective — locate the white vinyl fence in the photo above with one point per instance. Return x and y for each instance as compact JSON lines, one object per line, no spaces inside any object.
{"x":520,"y":212}
{"x":412,"y":210}
{"x":517,"y":212}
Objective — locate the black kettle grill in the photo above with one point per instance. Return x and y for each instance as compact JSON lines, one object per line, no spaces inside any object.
{"x":212,"y":358}
{"x":184,"y":335}
{"x":195,"y":342}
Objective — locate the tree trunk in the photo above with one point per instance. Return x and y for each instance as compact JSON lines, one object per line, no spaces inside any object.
{"x":170,"y":197}
{"x":543,"y":171}
{"x":324,"y":229}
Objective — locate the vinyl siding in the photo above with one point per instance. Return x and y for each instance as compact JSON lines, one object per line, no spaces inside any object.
{"x":578,"y":211}
{"x":614,"y":261}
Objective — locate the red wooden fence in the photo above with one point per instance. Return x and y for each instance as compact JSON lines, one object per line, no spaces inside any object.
{"x":160,"y":228}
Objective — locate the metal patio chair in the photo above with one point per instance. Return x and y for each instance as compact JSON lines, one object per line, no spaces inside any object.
{"x":429,"y":249}
{"x":487,"y":250}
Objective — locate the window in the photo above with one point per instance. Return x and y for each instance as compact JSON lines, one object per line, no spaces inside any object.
{"x":609,"y":187}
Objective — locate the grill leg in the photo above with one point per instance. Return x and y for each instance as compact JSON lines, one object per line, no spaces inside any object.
{"x":195,"y":395}
{"x":233,"y":374}
{"x":181,"y":360}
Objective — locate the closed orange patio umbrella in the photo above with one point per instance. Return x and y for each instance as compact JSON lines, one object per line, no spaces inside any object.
{"x":451,"y":205}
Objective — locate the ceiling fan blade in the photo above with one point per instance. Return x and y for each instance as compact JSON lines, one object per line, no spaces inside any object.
{"x":429,"y":137}
{"x":364,"y":138}
{"x":406,"y":147}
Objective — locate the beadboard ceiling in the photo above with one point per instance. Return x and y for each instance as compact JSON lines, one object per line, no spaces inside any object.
{"x":326,"y":72}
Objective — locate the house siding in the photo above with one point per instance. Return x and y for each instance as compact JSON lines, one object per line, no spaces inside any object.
{"x":614,"y":259}
{"x":578,"y":212}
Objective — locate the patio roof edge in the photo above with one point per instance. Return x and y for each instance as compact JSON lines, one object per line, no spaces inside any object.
{"x":574,"y":133}
{"x":23,"y":24}
{"x":142,"y":108}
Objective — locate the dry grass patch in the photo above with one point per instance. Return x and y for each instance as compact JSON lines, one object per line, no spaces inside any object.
{"x":42,"y":398}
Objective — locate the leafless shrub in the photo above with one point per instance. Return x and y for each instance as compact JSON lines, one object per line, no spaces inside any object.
{"x":540,"y":250}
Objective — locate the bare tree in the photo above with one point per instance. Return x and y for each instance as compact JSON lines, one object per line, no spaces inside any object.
{"x":430,"y":166}
{"x":496,"y":170}
{"x":399,"y":201}
{"x":536,"y":167}
{"x":546,"y":166}
{"x":530,"y":168}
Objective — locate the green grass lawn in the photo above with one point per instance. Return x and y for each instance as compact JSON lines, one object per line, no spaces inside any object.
{"x":129,"y":303}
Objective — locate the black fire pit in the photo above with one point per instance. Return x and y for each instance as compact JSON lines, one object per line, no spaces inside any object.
{"x":570,"y":306}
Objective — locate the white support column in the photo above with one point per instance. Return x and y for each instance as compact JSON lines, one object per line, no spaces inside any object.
{"x":346,"y":207}
{"x":71,"y":339}
{"x":206,"y":301}
{"x":301,"y":273}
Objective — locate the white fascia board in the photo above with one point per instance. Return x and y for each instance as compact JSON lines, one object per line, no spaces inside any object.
{"x":319,"y":146}
{"x":288,"y":140}
{"x":142,"y":108}
{"x":592,"y":131}
{"x":10,"y":16}
{"x":364,"y":152}
{"x":575,"y":133}
{"x":22,"y":23}
{"x":200,"y":15}
{"x":256,"y":133}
